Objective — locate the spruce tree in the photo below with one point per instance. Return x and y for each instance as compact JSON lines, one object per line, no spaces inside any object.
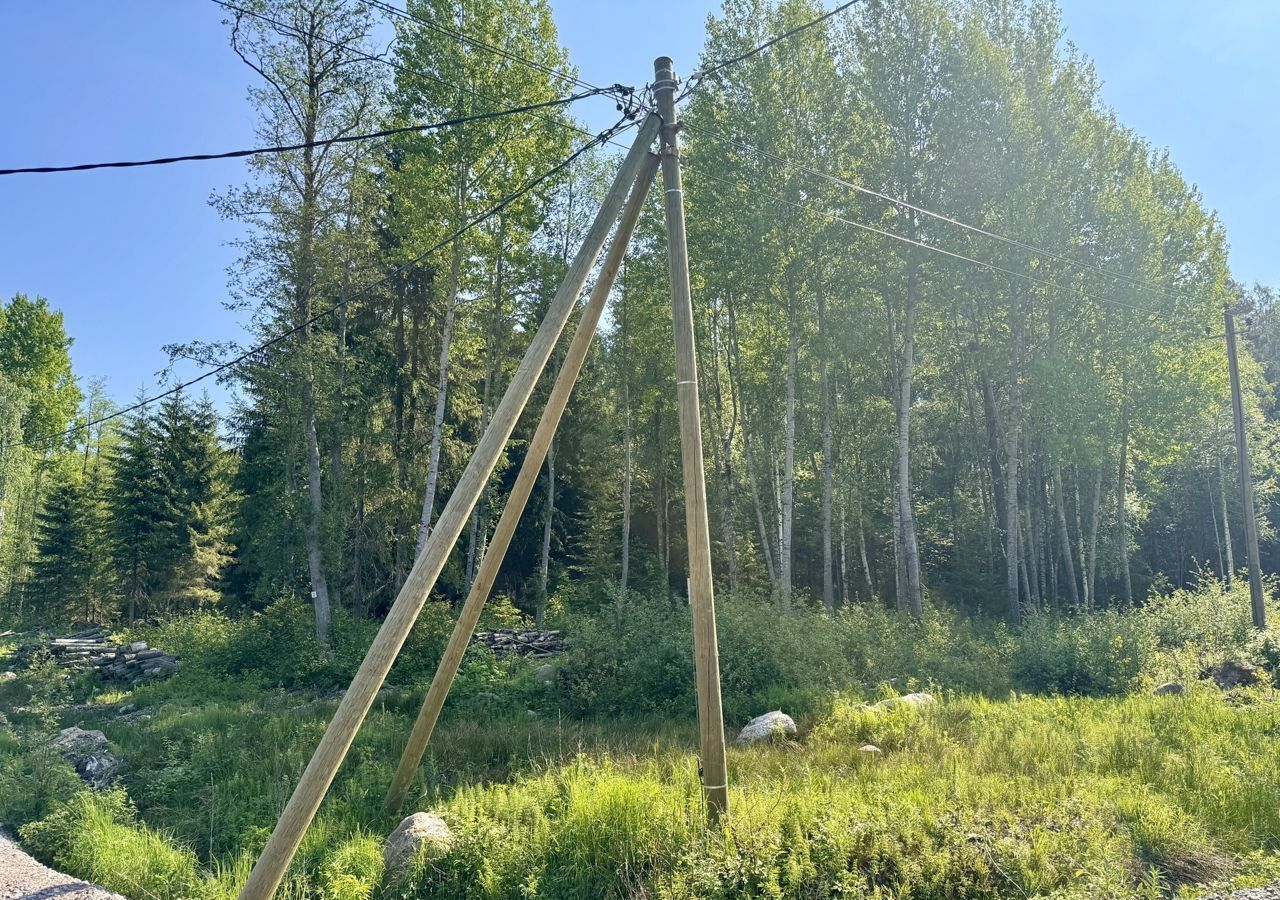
{"x":191,"y":547}
{"x":136,"y":510}
{"x":62,"y":571}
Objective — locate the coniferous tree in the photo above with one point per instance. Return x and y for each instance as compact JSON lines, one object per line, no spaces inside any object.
{"x":136,"y":510}
{"x":62,"y":573}
{"x":192,"y":548}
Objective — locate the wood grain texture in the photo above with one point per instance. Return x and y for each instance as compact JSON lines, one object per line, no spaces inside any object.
{"x":305,"y":800}
{"x":528,"y":475}
{"x":698,"y":533}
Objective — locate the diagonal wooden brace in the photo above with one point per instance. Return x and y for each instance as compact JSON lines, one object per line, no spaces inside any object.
{"x":533,"y":460}
{"x":319,"y":774}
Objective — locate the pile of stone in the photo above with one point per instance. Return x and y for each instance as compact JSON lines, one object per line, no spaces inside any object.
{"x":88,"y":648}
{"x":532,"y":643}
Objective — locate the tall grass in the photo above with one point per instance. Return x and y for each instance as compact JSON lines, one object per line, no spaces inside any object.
{"x":1047,"y":769}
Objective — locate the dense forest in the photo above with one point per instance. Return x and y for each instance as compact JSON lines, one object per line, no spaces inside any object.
{"x":959,"y":334}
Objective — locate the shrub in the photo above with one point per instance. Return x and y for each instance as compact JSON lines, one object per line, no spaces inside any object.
{"x":1092,"y":655}
{"x":944,"y":649}
{"x":637,"y":660}
{"x":32,"y":783}
{"x":272,"y":648}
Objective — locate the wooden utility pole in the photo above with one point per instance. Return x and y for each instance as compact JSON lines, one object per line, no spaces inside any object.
{"x":355,"y":704}
{"x":533,"y":459}
{"x":701,"y":595}
{"x":1246,"y":476}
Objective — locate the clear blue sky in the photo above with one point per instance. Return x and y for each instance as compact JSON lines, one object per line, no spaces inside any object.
{"x":137,"y":259}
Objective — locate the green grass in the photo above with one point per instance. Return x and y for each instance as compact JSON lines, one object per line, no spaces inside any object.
{"x":1054,"y":797}
{"x":1086,"y":786}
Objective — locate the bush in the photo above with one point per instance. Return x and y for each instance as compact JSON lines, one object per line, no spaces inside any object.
{"x":639,"y":660}
{"x":272,"y":648}
{"x":32,"y":783}
{"x":943,"y":650}
{"x":1093,"y":655}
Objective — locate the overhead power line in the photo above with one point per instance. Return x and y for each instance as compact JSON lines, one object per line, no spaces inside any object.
{"x":702,"y":73}
{"x":941,"y":217}
{"x":415,"y":73}
{"x":604,"y":136}
{"x":933,"y":248}
{"x":288,"y":148}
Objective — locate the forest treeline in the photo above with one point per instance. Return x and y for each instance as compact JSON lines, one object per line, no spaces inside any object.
{"x":960,"y":336}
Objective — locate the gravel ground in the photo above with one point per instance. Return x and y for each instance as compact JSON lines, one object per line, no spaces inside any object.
{"x":22,"y":878}
{"x":1262,"y":893}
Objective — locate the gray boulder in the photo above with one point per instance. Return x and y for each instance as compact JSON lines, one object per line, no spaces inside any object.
{"x":1169,"y":687}
{"x":422,"y":835}
{"x":546,"y":673}
{"x":921,"y":698}
{"x":770,"y":726}
{"x":90,"y":753}
{"x":870,"y":750}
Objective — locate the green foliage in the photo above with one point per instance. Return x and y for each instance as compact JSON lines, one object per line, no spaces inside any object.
{"x":272,"y":648}
{"x":997,"y":796}
{"x":641,"y":660}
{"x":1212,"y":616}
{"x":98,"y":837}
{"x":1094,"y":655}
{"x":353,"y":870}
{"x":35,"y":356}
{"x":62,"y":573}
{"x":1063,"y":798}
{"x":168,"y":506}
{"x":32,"y":781}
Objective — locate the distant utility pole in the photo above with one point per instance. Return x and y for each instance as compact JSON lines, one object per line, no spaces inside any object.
{"x":706,"y":656}
{"x":1246,"y":477}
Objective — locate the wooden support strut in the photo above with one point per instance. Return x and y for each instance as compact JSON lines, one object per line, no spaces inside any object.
{"x":701,"y":595}
{"x":534,"y":457}
{"x":354,"y":706}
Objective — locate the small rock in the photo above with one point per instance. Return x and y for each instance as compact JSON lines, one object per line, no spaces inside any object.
{"x":546,"y":673}
{"x":920,"y":698}
{"x":419,"y":835}
{"x":770,"y":726}
{"x":126,"y":709}
{"x":1169,"y":687}
{"x":1231,"y":674}
{"x":90,"y":753}
{"x":8,"y":676}
{"x":870,"y":750}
